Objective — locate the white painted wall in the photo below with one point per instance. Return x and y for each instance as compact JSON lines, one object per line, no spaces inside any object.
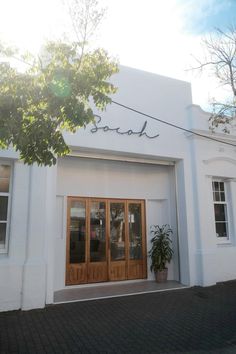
{"x":23,"y":270}
{"x":216,"y":261}
{"x":159,"y":96}
{"x":11,"y":263}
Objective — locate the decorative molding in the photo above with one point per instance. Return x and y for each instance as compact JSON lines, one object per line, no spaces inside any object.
{"x":199,"y":108}
{"x":122,"y":158}
{"x":220,"y":158}
{"x":220,"y":137}
{"x":118,"y":155}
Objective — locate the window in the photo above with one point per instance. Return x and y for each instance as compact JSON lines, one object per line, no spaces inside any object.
{"x":220,"y":209}
{"x":5,"y":174}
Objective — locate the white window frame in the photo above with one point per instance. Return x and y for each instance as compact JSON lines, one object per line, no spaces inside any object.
{"x":7,"y":194}
{"x":222,"y":239}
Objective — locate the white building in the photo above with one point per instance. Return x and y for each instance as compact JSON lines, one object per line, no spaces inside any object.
{"x":88,"y":218}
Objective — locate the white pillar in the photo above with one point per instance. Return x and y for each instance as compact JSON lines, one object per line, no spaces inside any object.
{"x":50,"y":230}
{"x":34,"y":268}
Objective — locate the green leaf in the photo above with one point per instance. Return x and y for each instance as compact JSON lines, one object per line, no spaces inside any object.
{"x":53,"y":94}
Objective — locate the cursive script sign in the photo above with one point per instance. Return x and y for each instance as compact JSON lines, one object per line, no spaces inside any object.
{"x":105,"y":128}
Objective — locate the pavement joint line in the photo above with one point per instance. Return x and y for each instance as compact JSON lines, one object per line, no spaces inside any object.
{"x":120,"y":295}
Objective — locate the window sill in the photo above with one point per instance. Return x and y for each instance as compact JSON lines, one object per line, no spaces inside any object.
{"x":223,"y":242}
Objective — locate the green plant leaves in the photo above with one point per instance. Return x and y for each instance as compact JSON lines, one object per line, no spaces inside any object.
{"x":161,"y":251}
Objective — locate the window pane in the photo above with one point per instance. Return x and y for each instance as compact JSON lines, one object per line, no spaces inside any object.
{"x":216,"y":196}
{"x":222,"y":186}
{"x":222,"y":196}
{"x":97,"y":232}
{"x":4,"y":185}
{"x":3,"y":228}
{"x":135,"y":231}
{"x":117,"y":231}
{"x":3,"y":208}
{"x":5,"y":171}
{"x":215,"y":186}
{"x":220,"y":212}
{"x":221,"y":229}
{"x":77,"y":232}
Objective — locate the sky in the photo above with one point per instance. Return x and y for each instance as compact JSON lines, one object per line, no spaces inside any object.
{"x":159,"y":36}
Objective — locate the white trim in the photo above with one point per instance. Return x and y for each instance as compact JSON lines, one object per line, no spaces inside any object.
{"x":226,"y":239}
{"x":4,"y":250}
{"x":119,"y":157}
{"x":219,"y":137}
{"x":199,"y":108}
{"x":220,"y":158}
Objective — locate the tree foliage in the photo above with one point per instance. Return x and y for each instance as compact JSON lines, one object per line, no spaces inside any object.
{"x":220,"y":58}
{"x":55,"y":92}
{"x":85,"y":16}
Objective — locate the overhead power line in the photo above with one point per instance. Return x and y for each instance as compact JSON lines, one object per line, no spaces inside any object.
{"x":172,"y":125}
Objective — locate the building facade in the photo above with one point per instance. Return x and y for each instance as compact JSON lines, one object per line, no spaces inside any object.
{"x":88,"y":218}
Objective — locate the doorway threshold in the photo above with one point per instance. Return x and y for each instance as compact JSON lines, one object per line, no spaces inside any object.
{"x":89,"y":293}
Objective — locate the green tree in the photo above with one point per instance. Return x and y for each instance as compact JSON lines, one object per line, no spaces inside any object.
{"x":220,"y":60}
{"x":55,"y":92}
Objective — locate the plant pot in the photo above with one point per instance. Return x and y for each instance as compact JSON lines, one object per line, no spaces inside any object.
{"x":161,"y":275}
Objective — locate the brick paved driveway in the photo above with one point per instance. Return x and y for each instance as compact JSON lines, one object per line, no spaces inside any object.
{"x":196,"y":320}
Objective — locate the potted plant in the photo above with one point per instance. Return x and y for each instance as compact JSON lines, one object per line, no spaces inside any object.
{"x":161,"y":251}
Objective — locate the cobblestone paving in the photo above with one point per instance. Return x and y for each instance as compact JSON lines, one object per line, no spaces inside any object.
{"x":195,"y":320}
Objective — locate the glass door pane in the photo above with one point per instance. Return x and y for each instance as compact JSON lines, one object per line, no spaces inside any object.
{"x":117,"y":231}
{"x":97,"y":231}
{"x":3,"y":228}
{"x":135,"y":231}
{"x":77,"y":231}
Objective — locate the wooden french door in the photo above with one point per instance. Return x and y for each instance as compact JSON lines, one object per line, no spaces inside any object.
{"x":105,"y":240}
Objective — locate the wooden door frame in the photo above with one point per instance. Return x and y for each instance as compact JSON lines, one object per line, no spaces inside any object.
{"x":107,"y":201}
{"x":89,"y":262}
{"x":76,"y":266}
{"x":144,"y":238}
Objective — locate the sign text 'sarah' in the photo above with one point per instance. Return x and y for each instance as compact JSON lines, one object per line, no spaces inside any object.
{"x":105,"y":128}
